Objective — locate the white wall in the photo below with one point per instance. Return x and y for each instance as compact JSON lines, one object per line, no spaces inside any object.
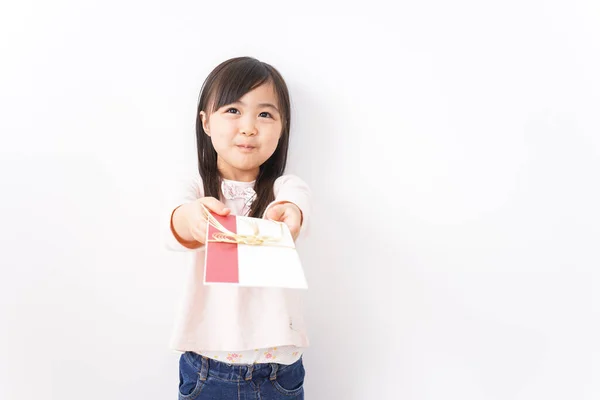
{"x":452,"y":147}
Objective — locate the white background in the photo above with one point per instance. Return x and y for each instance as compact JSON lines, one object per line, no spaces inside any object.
{"x":452,"y":148}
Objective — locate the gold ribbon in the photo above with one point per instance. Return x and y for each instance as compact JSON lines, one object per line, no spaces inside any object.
{"x":226,"y":236}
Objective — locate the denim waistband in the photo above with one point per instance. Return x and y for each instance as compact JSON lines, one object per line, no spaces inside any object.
{"x":233,"y":372}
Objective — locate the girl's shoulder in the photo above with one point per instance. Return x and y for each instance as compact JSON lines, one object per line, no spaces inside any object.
{"x":289,"y":181}
{"x":190,"y":183}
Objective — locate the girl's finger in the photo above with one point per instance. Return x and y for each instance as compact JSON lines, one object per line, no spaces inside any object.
{"x":276,"y":213}
{"x":215,"y":205}
{"x":198,"y":234}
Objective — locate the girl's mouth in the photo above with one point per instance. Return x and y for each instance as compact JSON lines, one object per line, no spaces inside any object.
{"x":245,"y":147}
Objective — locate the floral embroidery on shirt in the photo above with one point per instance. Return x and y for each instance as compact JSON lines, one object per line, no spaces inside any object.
{"x":234,"y":357}
{"x":270,"y":354}
{"x":283,"y":354}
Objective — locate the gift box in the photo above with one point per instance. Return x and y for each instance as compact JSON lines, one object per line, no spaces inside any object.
{"x":247,"y":251}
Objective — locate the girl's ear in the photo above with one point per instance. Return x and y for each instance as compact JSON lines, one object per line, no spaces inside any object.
{"x":205,"y":124}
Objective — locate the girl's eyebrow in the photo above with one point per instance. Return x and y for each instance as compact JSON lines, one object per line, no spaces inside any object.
{"x":261,"y":105}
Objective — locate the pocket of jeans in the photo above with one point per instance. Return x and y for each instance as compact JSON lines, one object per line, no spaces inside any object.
{"x":196,"y":389}
{"x":190,"y":384}
{"x":290,"y":380}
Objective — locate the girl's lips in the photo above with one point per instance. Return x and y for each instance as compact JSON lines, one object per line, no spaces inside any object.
{"x":246,"y":148}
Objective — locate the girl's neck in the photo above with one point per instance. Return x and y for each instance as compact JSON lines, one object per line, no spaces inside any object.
{"x":239,"y":176}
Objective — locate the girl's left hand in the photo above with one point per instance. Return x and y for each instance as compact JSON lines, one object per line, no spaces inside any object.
{"x":289,"y":214}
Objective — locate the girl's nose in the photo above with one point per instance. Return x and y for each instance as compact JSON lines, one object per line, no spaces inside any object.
{"x":249,"y":129}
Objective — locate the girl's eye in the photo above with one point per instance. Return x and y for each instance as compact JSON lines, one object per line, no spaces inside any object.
{"x":266,"y":116}
{"x":235,"y":110}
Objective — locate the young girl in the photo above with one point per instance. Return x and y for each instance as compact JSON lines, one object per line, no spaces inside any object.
{"x":240,"y":342}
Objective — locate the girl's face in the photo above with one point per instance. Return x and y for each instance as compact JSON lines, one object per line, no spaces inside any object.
{"x":245,"y":133}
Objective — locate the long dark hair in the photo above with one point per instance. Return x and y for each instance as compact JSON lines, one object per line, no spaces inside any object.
{"x":226,"y":84}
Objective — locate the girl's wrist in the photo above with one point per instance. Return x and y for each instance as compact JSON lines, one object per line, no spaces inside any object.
{"x":180,"y":229}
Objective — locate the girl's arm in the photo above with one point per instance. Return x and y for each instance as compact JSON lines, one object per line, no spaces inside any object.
{"x":292,"y":189}
{"x":186,"y":190}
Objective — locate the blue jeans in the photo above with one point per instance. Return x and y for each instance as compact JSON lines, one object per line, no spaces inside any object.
{"x":203,"y":378}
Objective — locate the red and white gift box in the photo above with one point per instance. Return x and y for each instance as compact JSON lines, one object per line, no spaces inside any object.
{"x":271,"y":264}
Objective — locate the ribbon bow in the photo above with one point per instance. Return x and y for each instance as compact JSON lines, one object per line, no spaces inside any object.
{"x":226,"y":236}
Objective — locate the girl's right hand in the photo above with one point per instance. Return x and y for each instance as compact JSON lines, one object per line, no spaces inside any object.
{"x":194,"y":219}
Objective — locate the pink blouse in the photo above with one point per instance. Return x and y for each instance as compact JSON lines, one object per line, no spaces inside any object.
{"x":220,"y":321}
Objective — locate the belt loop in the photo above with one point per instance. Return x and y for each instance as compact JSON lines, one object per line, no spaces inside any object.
{"x":204,"y":369}
{"x":248,"y":376}
{"x":274,"y":367}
